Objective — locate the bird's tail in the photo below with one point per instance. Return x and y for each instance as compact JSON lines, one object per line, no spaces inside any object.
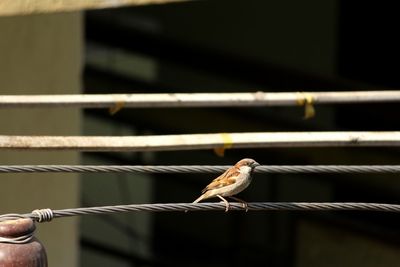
{"x":200,"y":198}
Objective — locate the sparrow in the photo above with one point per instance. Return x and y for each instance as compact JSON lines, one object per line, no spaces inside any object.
{"x":233,"y":181}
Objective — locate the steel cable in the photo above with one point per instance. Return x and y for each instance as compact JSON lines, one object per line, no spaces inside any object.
{"x":197,"y":168}
{"x":46,"y":215}
{"x":43,"y":215}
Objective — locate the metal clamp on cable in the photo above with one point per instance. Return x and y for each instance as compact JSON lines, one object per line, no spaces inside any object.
{"x":43,"y":215}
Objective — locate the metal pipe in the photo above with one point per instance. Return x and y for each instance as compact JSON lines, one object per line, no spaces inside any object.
{"x":201,"y":141}
{"x":181,"y":100}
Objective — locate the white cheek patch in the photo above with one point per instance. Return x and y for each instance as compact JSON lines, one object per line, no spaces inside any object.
{"x":245,"y":169}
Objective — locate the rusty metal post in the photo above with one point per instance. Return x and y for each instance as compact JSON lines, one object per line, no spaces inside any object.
{"x":18,"y":247}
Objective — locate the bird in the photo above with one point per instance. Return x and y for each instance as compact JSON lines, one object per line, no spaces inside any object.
{"x":233,"y":181}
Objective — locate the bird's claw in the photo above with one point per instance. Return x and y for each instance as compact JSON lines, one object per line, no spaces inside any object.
{"x":227,"y":206}
{"x":246,"y":207}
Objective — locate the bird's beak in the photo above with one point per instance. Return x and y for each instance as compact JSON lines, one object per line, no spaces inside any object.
{"x":255,"y":164}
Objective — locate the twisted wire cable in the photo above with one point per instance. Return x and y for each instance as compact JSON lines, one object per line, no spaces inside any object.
{"x":197,"y":168}
{"x":18,"y":239}
{"x":48,"y":214}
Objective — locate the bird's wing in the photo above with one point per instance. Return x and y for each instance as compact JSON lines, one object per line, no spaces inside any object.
{"x":225,"y":179}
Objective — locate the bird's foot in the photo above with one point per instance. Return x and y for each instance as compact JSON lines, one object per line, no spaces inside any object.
{"x":227,"y":206}
{"x":226,"y":203}
{"x":245,"y":205}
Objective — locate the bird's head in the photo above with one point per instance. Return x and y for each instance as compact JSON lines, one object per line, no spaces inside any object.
{"x":247,"y":163}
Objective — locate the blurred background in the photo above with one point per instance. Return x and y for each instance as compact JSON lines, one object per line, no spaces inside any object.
{"x":207,"y":46}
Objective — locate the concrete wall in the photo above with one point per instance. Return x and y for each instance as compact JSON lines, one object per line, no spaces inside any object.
{"x":42,"y":55}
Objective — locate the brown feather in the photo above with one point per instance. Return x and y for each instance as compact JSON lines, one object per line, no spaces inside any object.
{"x":227,"y":178}
{"x":224,"y":179}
